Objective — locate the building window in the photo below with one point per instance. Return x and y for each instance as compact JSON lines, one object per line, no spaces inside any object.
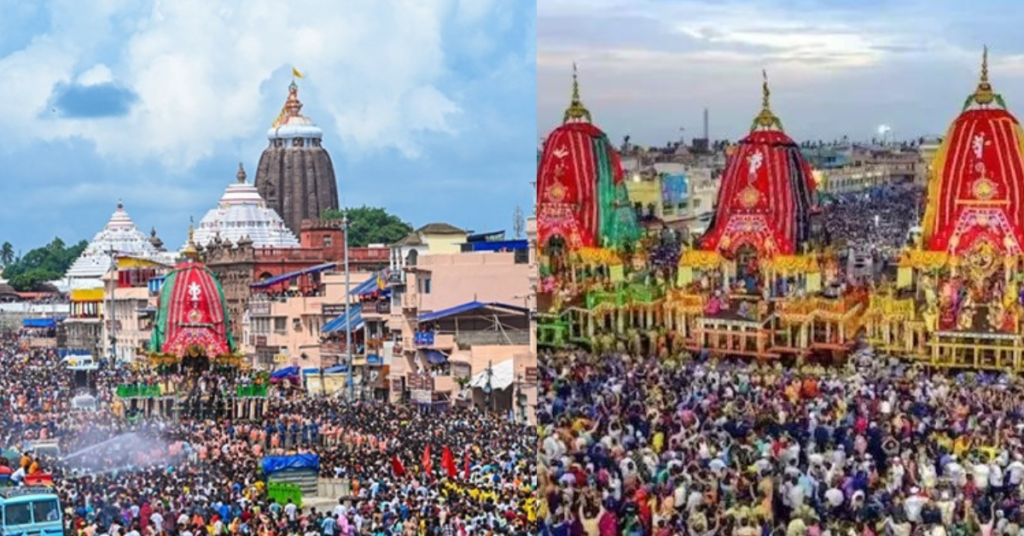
{"x":280,"y":324}
{"x":327,"y":240}
{"x":426,"y":286}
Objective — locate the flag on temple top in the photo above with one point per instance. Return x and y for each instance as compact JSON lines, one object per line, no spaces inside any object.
{"x":427,"y":466}
{"x":449,"y":463}
{"x":466,"y":470}
{"x":296,"y":73}
{"x":396,"y":466}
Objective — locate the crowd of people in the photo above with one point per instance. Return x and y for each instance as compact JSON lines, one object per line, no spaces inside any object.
{"x":875,"y":221}
{"x":156,"y":475}
{"x":656,"y":447}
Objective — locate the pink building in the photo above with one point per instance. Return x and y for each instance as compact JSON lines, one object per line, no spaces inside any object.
{"x":459,"y":317}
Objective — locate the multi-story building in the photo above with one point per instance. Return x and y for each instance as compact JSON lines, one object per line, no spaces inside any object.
{"x":286,"y":329}
{"x":850,"y":179}
{"x":131,"y":298}
{"x":455,"y":316}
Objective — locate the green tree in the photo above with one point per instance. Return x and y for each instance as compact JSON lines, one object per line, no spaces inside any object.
{"x":41,"y":264}
{"x":31,"y":279}
{"x":371,"y":225}
{"x":6,"y":254}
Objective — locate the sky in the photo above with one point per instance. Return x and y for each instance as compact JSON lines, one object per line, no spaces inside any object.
{"x":426,"y":107}
{"x":648,"y":68}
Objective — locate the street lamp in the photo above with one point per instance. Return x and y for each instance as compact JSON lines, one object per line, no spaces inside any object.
{"x":348,"y":320}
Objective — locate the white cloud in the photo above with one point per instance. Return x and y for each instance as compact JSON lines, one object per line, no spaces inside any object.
{"x":96,"y":75}
{"x":198,"y":68}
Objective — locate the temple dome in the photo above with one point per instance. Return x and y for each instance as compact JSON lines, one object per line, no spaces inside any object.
{"x":243,"y":212}
{"x":974,"y":191}
{"x":119,"y":235}
{"x":767,"y":191}
{"x":581,"y":195}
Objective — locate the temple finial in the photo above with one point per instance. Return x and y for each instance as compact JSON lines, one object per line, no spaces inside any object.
{"x":983,"y":95}
{"x":984,"y":64}
{"x":765,"y":92}
{"x":766,"y":119}
{"x":576,"y":110}
{"x":241,"y":174}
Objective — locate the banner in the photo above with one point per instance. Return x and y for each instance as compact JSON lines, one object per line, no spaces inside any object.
{"x":617,"y":273}
{"x":684,"y":276}
{"x":904,"y":277}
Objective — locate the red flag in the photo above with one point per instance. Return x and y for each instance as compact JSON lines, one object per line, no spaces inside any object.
{"x":427,"y":466}
{"x":466,"y":471}
{"x":396,"y":466}
{"x":448,"y":462}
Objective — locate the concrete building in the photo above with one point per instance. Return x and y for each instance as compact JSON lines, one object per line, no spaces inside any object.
{"x":458,"y":315}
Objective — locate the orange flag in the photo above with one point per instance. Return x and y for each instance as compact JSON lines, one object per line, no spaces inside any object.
{"x":427,"y":465}
{"x":448,"y":462}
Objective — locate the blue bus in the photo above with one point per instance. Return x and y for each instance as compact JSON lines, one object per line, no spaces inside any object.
{"x":30,"y":511}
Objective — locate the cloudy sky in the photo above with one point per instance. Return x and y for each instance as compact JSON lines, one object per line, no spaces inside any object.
{"x":836,"y":67}
{"x":426,"y":107}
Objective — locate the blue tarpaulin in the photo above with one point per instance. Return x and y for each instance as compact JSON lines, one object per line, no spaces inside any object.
{"x":39,"y":323}
{"x":273,"y":464}
{"x":338,"y":324}
{"x":470,"y":306}
{"x":292,"y":275}
{"x":374,"y":360}
{"x":336,"y":369}
{"x":285,"y":373}
{"x":434,"y":357}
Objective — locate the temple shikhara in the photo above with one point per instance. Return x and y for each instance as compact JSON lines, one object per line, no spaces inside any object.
{"x":763,"y":280}
{"x":295,"y":174}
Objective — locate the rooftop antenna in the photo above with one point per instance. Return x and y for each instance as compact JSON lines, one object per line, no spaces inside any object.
{"x":517,"y":222}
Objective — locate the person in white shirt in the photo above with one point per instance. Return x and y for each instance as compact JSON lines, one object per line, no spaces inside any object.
{"x":913,"y":505}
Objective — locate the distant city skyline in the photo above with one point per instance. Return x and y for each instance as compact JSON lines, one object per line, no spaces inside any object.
{"x":156,"y":103}
{"x":649,"y":67}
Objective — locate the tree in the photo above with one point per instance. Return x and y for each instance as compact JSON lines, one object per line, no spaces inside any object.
{"x":41,"y":264}
{"x":371,"y":225}
{"x":6,"y":254}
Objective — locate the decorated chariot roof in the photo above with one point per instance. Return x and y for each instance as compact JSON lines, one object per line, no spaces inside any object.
{"x":191,"y":318}
{"x":580,"y":189}
{"x":242,"y":212}
{"x":976,"y":182}
{"x":766,"y":196}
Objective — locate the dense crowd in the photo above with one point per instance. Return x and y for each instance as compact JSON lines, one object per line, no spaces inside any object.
{"x":877,"y":220}
{"x":656,"y":447}
{"x":150,"y":475}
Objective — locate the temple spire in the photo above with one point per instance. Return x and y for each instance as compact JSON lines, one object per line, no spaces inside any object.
{"x":766,"y":119}
{"x":576,"y":111}
{"x":984,"y":95}
{"x":241,"y":174}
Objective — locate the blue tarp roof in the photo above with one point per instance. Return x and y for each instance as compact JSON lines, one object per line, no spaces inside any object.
{"x":473,"y":305}
{"x":336,"y":369}
{"x":370,"y":284}
{"x":338,"y":324}
{"x":308,"y":371}
{"x":374,"y":360}
{"x":39,"y":323}
{"x":273,"y":464}
{"x":285,"y":277}
{"x":285,"y":373}
{"x":434,"y":357}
